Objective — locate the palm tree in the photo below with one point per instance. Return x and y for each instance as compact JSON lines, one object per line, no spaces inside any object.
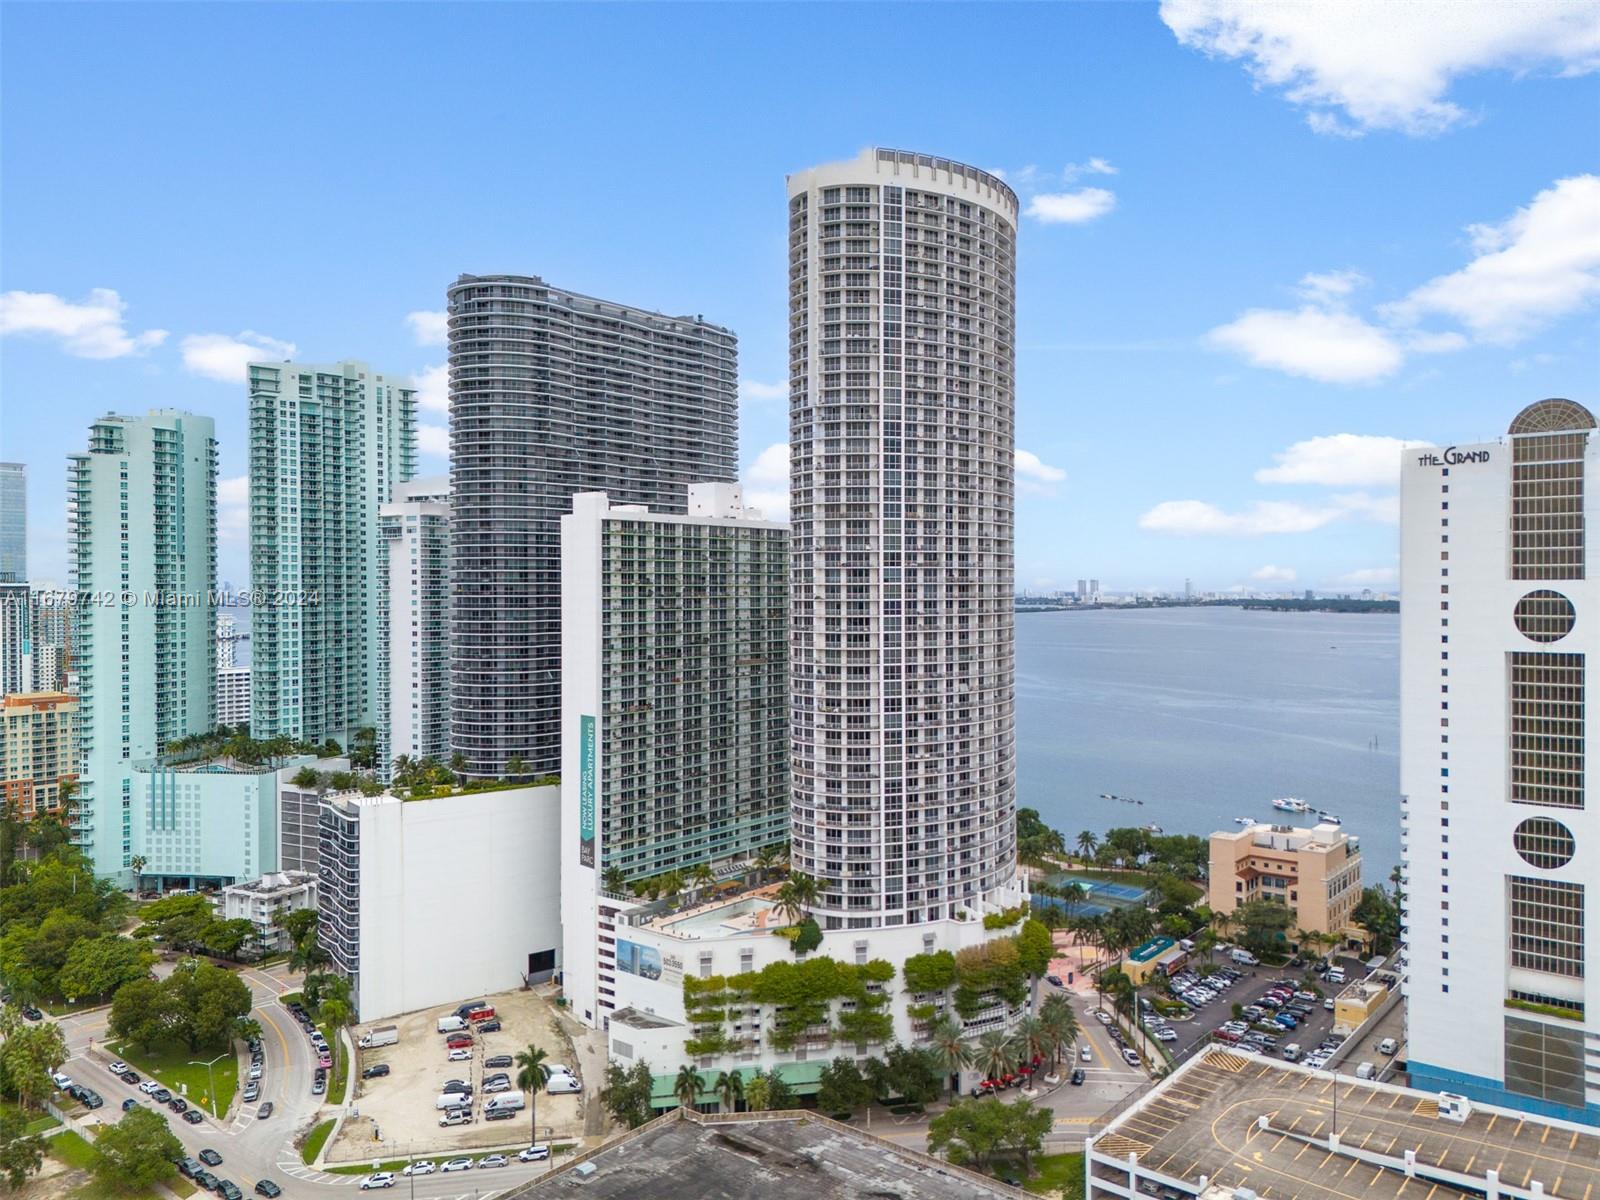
{"x":795,"y":898}
{"x":613,"y":880}
{"x":995,"y":1054}
{"x":1087,"y":843}
{"x":532,"y":1076}
{"x":946,"y":1042}
{"x":516,"y":766}
{"x":766,"y":859}
{"x":403,"y":766}
{"x":137,"y":863}
{"x":687,"y":1086}
{"x":701,"y":878}
{"x":1031,"y":1038}
{"x":1060,"y":1025}
{"x":458,"y":764}
{"x":730,"y":1087}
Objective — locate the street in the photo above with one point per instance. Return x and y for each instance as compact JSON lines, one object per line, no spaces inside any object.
{"x":254,"y":1149}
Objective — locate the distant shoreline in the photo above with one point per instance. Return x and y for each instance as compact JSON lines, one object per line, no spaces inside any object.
{"x":1309,"y":606}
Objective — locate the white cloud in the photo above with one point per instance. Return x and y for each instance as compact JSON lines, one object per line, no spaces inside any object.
{"x":219,"y":356}
{"x":433,"y":440}
{"x":433,"y":389}
{"x":1383,"y":509}
{"x":1198,"y":517}
{"x":1072,"y":208}
{"x":1095,"y":166}
{"x":1339,"y":460}
{"x":1031,"y":470}
{"x":1330,"y":287}
{"x":1358,"y":65}
{"x":1370,"y":577}
{"x":233,"y":508}
{"x":1435,"y":343}
{"x":1540,"y":263}
{"x":92,"y":328}
{"x":1329,"y":345}
{"x":752,"y":389}
{"x":429,"y":328}
{"x":1271,"y":574}
{"x":766,"y":482}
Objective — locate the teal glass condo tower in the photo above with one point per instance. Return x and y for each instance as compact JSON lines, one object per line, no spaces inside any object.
{"x":143,"y":516}
{"x":327,"y":446}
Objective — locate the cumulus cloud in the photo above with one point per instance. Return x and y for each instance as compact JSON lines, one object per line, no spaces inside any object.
{"x":1271,"y":574}
{"x":1095,"y":166}
{"x":90,"y":328}
{"x":233,"y":509}
{"x":1198,"y":517}
{"x":1328,"y":345}
{"x":1339,"y":460}
{"x":429,"y":328}
{"x":433,"y":440}
{"x":1071,"y":208}
{"x":1037,"y":476}
{"x":433,"y":389}
{"x":1540,"y":263}
{"x":1360,"y":65}
{"x":227,"y":358}
{"x":752,"y":389}
{"x":1330,"y":287}
{"x":766,"y":482}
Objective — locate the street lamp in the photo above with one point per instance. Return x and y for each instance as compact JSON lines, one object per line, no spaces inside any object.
{"x":211,"y":1081}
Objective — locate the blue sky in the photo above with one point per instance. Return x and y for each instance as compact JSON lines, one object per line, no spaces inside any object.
{"x":1258,"y":244}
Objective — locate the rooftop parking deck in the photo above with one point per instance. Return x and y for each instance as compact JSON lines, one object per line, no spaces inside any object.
{"x":1207,"y":1121}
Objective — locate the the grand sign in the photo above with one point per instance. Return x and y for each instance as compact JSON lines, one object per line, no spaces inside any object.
{"x":1450,"y":457}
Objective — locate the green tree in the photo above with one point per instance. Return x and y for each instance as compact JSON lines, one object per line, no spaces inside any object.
{"x":701,"y":878}
{"x":687,"y":1086}
{"x":1035,"y":948}
{"x":20,"y":1155}
{"x":137,"y":1152}
{"x":532,"y":1075}
{"x":995,"y":1054}
{"x":1060,"y":1025}
{"x":1087,"y":844}
{"x":1379,"y":915}
{"x":98,"y":966}
{"x":911,"y":1073}
{"x":306,"y":777}
{"x":613,"y":880}
{"x":1031,"y":1038}
{"x":627,"y":1092}
{"x":949,"y":1046}
{"x":766,"y":861}
{"x":228,"y":938}
{"x":729,"y":1089}
{"x":141,"y":1013}
{"x":28,"y":1056}
{"x":1265,"y":924}
{"x":841,"y":1088}
{"x":768,"y":1091}
{"x":969,"y":1132}
{"x":201,"y":1003}
{"x":516,"y":767}
{"x":179,"y":920}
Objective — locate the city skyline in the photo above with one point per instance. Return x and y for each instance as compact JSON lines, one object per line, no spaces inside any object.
{"x":1295,"y":339}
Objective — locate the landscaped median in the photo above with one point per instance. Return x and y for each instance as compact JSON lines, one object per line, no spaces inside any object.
{"x":315,"y":1141}
{"x":175,"y":1067}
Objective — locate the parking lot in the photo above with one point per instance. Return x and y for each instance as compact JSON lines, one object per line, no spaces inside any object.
{"x":394,"y":1115}
{"x":1251,"y":983}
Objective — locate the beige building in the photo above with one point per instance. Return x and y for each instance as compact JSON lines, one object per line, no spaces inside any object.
{"x":38,"y":750}
{"x":1316,"y":872}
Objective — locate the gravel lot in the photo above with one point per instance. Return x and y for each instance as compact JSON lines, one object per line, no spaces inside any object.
{"x":400,"y":1105}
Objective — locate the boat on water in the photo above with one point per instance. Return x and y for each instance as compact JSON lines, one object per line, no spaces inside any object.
{"x":1123,"y":799}
{"x":1328,"y":818}
{"x":1244,"y":820}
{"x":1151,"y":828}
{"x":1290,"y":804}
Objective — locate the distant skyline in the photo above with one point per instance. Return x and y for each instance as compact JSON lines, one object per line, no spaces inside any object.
{"x":1254,"y":262}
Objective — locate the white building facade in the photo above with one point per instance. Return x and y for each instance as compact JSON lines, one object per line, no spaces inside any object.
{"x":233,"y":695}
{"x":414,"y":623}
{"x":263,"y":902}
{"x":423,"y":901}
{"x":1501,"y":872}
{"x":675,"y":701}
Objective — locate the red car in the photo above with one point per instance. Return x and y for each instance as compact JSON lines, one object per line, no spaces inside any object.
{"x":481,"y":1014}
{"x":458,"y":1041}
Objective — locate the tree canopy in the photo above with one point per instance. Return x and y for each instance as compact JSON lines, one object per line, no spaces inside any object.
{"x":137,"y":1152}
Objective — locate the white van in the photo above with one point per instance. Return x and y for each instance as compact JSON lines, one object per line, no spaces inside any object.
{"x":453,"y":1100}
{"x":1245,"y":958}
{"x":1336,"y":975}
{"x":1388,"y":1046}
{"x":1364,"y":1071}
{"x":450,"y":1024}
{"x":1291,"y":1052}
{"x":509,"y":1102}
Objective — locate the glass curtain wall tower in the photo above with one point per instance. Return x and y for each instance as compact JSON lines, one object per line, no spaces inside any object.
{"x":551,"y":394}
{"x":902,"y":285}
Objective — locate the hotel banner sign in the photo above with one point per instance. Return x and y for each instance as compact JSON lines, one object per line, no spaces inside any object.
{"x":586,"y":754}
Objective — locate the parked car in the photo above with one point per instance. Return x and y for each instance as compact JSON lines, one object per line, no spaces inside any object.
{"x":499,"y":1060}
{"x":193,"y":1116}
{"x":210,"y":1157}
{"x":499,"y":1114}
{"x":91,"y":1099}
{"x":457,"y":1164}
{"x":252,"y":1092}
{"x":1130,"y":1056}
{"x":187,"y":1167}
{"x":456,"y":1116}
{"x":494,"y":1160}
{"x":426,"y":1167}
{"x":131,"y":1077}
{"x":534,"y":1153}
{"x":118,"y":1068}
{"x":491,"y":1086}
{"x":149,"y":1087}
{"x":457,"y":1085}
{"x":492,"y":1025}
{"x":206,"y":1180}
{"x":161,"y":1095}
{"x":376,"y":1071}
{"x":264,"y":1111}
{"x":178,"y":1104}
{"x":461,"y":1055}
{"x":130,"y":1102}
{"x":483,"y":1012}
{"x":457,"y":1041}
{"x":31,"y":1013}
{"x":562,"y":1085}
{"x":229,"y":1190}
{"x":319,"y":1085}
{"x":265,"y":1187}
{"x":378,"y":1179}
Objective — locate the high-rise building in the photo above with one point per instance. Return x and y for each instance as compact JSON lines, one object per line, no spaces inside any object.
{"x":233,"y":695}
{"x":50,"y":639}
{"x":675,"y":696}
{"x":227,"y":642}
{"x":38,"y":751}
{"x":902,"y":284}
{"x":551,"y":394}
{"x":142,"y":505}
{"x":327,"y":445}
{"x":414,"y":623}
{"x":13,"y":522}
{"x":16,"y":638}
{"x":1499,"y":838}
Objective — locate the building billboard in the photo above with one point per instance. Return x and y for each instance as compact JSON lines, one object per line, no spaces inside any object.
{"x":643,"y":961}
{"x":586,"y":781}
